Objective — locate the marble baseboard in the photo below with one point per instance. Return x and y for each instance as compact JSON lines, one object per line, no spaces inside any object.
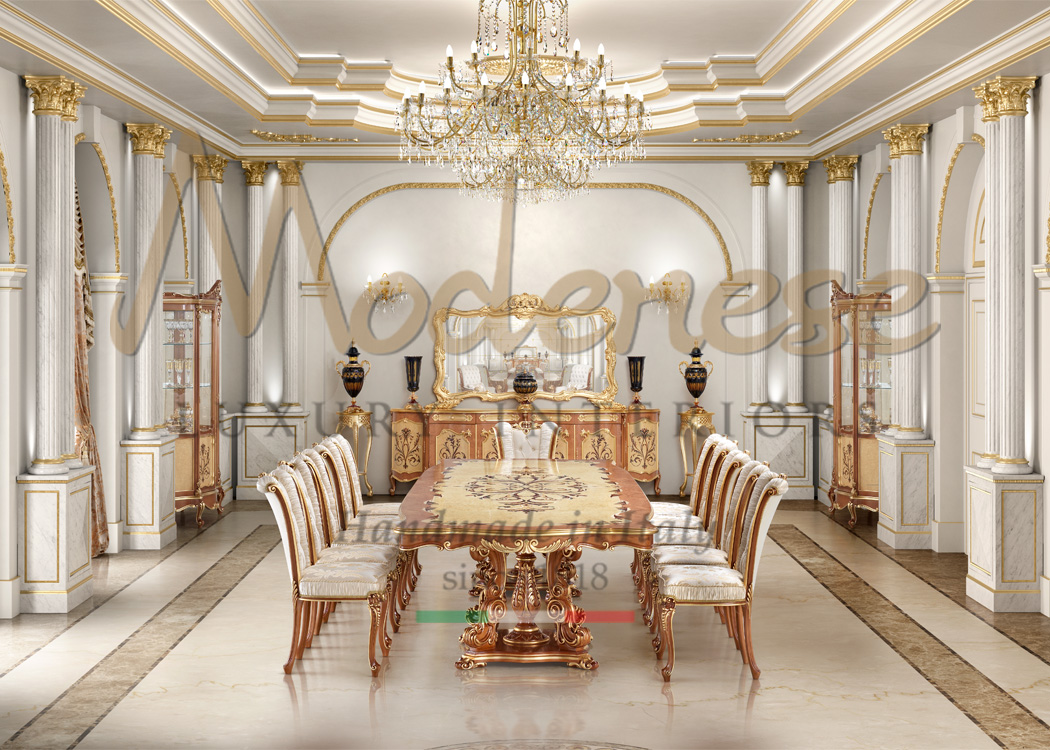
{"x":9,"y":598}
{"x":147,"y":493}
{"x":906,"y":499}
{"x":1044,"y":596}
{"x":260,"y":442}
{"x":54,"y":540}
{"x":116,"y":538}
{"x":786,"y":441}
{"x":1005,"y":541}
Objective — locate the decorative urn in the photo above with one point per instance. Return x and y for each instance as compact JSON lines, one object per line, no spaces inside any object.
{"x":525,"y":383}
{"x":696,"y":374}
{"x":635,"y":367}
{"x":353,"y":373}
{"x":412,"y":368}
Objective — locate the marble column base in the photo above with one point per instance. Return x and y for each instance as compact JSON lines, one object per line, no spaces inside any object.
{"x":116,"y":537}
{"x":905,"y":492}
{"x":825,"y":456}
{"x":758,"y":409}
{"x":1005,"y":540}
{"x":147,"y":492}
{"x":260,"y":441}
{"x":786,"y":442}
{"x":54,"y":541}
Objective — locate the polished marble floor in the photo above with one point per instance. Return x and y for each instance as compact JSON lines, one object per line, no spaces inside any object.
{"x":858,"y":649}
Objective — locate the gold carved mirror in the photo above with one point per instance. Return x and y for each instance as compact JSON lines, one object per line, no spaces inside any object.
{"x":569,"y":352}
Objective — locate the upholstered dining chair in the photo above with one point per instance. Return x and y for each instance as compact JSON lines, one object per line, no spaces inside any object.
{"x":360,"y":507}
{"x":539,"y":442}
{"x":579,"y":379}
{"x":471,"y":379}
{"x":730,"y":590}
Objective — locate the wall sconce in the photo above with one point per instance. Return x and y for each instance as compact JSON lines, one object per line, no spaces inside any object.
{"x":665,"y":296}
{"x":383,"y":295}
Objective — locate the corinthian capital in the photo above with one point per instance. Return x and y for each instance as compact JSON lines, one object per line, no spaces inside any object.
{"x":290,"y":171}
{"x":210,"y":167}
{"x":1013,"y":93}
{"x":147,"y":138}
{"x":760,"y":171}
{"x":254,"y":171}
{"x":840,"y":168}
{"x":796,"y":172}
{"x":55,"y":95}
{"x":905,"y":139}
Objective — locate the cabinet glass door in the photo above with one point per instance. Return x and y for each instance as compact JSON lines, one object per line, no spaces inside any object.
{"x":846,"y":376}
{"x":875,"y":341}
{"x":205,"y":367}
{"x":179,"y":370}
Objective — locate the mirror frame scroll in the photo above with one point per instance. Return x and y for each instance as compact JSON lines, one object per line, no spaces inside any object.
{"x":523,"y":307}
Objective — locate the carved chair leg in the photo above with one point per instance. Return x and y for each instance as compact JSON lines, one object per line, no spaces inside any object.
{"x":667,"y":607}
{"x":375,"y":606}
{"x":391,"y":609}
{"x":739,"y":613}
{"x":304,"y":633}
{"x":297,"y":616}
{"x":384,"y":618}
{"x":746,"y":617}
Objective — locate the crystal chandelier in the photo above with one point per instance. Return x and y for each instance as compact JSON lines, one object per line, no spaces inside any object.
{"x":383,"y":295}
{"x":665,"y":296}
{"x":523,"y":119}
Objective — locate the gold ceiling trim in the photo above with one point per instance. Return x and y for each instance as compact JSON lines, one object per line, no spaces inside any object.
{"x":944,"y":199}
{"x":867,"y":224}
{"x":182,"y":218}
{"x":262,"y":19}
{"x":783,"y":137}
{"x":10,"y":211}
{"x":266,"y":135}
{"x":727,"y":261}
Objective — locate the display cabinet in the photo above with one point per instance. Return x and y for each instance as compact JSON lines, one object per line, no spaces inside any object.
{"x":191,"y":397}
{"x":863,"y":374}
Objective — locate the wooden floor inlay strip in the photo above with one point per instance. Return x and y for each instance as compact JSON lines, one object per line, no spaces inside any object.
{"x":77,"y":711}
{"x":994,"y":710}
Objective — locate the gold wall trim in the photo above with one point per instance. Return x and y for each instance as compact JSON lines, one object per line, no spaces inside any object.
{"x":182,"y":219}
{"x":977,"y":138}
{"x":11,"y":215}
{"x":1047,"y":259}
{"x":944,"y":199}
{"x":593,"y":186}
{"x":867,"y":223}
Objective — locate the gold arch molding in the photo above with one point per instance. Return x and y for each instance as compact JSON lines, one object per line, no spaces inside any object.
{"x":594,"y":186}
{"x":10,"y":212}
{"x":112,"y":199}
{"x":182,"y":220}
{"x":867,"y":222}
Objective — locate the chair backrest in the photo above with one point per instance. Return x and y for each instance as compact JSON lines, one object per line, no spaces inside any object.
{"x":718,"y":456}
{"x":769,"y":489}
{"x":746,"y":478}
{"x":470,"y":378}
{"x":270,"y":487}
{"x":333,"y":458}
{"x":326,"y":490}
{"x":343,"y":446}
{"x":315,"y":514}
{"x":579,"y":377}
{"x":722,"y":489}
{"x":286,"y":494}
{"x":703,"y":465}
{"x":539,"y":442}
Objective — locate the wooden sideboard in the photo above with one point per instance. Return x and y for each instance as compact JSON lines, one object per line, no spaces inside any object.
{"x":627,"y":436}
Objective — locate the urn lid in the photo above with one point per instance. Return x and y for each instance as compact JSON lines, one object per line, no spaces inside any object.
{"x":696,"y":354}
{"x":352,"y":352}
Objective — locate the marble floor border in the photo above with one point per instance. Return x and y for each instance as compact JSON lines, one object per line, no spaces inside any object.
{"x":79,"y":709}
{"x":187,"y":534}
{"x":997,"y":713}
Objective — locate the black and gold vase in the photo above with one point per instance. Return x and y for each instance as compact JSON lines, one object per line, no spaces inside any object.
{"x":353,"y":374}
{"x":412,"y":368}
{"x":696,"y":374}
{"x":635,"y":366}
{"x":525,"y":383}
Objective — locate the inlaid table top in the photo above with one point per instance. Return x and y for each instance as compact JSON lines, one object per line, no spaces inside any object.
{"x":458,"y":502}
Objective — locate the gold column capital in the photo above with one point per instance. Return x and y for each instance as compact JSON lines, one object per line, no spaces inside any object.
{"x":147,"y":138}
{"x":210,"y":166}
{"x":1013,"y":94}
{"x":254,"y":171}
{"x":987,"y":94}
{"x":905,"y":140}
{"x":759,"y":171}
{"x":796,"y":173}
{"x":840,"y":168}
{"x":55,"y":95}
{"x":290,"y":171}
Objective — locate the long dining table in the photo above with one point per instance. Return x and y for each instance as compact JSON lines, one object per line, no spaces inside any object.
{"x":526,"y":507}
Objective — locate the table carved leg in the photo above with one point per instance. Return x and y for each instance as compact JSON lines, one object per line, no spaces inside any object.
{"x":481,"y":637}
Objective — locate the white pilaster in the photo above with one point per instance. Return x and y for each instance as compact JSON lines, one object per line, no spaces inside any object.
{"x":210,"y":169}
{"x":796,"y":181}
{"x":254,"y":174}
{"x":760,"y":171}
{"x":317,"y":380}
{"x":66,"y":308}
{"x":107,"y":394}
{"x":840,"y":170}
{"x":1042,"y":276}
{"x":992,"y":270}
{"x":292,"y":360}
{"x":12,"y":299}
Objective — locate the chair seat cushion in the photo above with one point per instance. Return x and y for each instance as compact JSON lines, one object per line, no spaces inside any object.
{"x":688,"y":554}
{"x":368,"y":533}
{"x":689,"y":537}
{"x":377,"y":553}
{"x":339,"y":580}
{"x":687,"y":521}
{"x":702,"y":583}
{"x":379,"y":509}
{"x":663,"y":509}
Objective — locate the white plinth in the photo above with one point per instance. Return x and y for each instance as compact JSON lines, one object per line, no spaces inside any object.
{"x":260,"y":442}
{"x":227,"y":428}
{"x":825,"y":457}
{"x":1005,"y":555}
{"x":905,"y":492}
{"x":147,"y":492}
{"x":786,"y":442}
{"x":54,"y":540}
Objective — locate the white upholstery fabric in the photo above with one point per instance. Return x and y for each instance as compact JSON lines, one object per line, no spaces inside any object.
{"x":579,"y":379}
{"x":751,"y":467}
{"x":779,"y":486}
{"x":709,"y":445}
{"x":343,"y":446}
{"x":329,"y":496}
{"x":264,"y":484}
{"x":470,"y":378}
{"x":374,"y":553}
{"x":685,"y":554}
{"x":727,"y":474}
{"x":663,"y":509}
{"x":291,"y":499}
{"x":702,"y":583}
{"x":336,"y":580}
{"x":368,"y":533}
{"x":748,"y":522}
{"x":536,"y":443}
{"x":691,"y":522}
{"x":683,"y":536}
{"x":380,"y":509}
{"x":313,"y":505}
{"x":722,"y":448}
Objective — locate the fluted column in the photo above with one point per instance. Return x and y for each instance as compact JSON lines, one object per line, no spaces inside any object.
{"x":254,"y":174}
{"x":54,"y":98}
{"x":840,"y":171}
{"x":292,"y":353}
{"x":210,"y":169}
{"x":796,"y":181}
{"x":906,"y":147}
{"x":147,"y":148}
{"x":1012,"y":107}
{"x":760,"y":171}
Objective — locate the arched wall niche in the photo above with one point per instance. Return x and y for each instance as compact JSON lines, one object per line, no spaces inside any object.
{"x":876,"y":249}
{"x":953,"y":228}
{"x":98,"y":208}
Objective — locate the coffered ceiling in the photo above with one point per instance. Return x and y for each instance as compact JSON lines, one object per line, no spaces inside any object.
{"x":258,"y":77}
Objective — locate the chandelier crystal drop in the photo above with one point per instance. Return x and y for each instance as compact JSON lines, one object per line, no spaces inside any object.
{"x":524,"y":119}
